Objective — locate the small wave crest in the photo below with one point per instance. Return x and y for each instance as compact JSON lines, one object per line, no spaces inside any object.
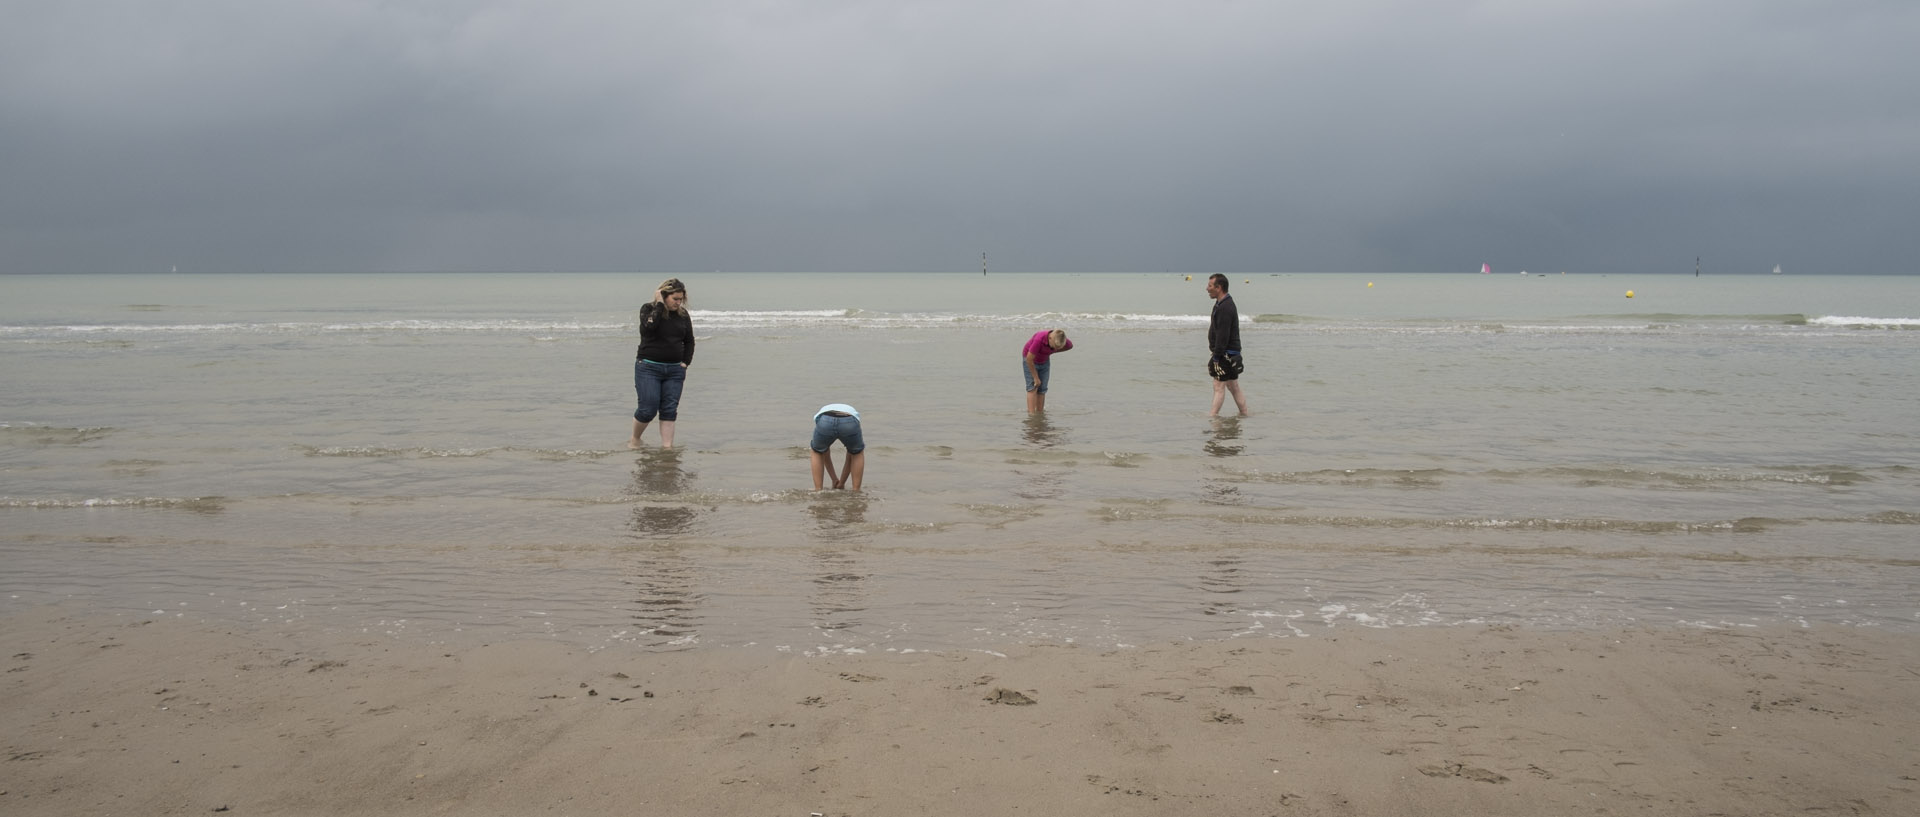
{"x":1865,"y":323}
{"x":856,"y":317}
{"x":767,"y":317}
{"x":302,"y":328}
{"x":1350,"y":477}
{"x":199,"y":504}
{"x":382,"y":451}
{"x":430,"y":452}
{"x":33,"y":434}
{"x":1068,"y":459}
{"x":1824,"y":476}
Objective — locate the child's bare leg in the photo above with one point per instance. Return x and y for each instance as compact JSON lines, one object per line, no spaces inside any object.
{"x":820,"y":465}
{"x":856,"y":468}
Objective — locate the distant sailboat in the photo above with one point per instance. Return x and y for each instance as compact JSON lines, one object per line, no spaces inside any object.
{"x":1776,"y":269}
{"x":1486,"y":269}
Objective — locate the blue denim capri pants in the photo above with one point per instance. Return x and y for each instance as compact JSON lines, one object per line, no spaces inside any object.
{"x":658,"y":386}
{"x":1046,"y":371}
{"x":827,"y":428}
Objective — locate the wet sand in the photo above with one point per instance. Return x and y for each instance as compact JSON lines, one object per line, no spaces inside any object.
{"x":111,"y":715}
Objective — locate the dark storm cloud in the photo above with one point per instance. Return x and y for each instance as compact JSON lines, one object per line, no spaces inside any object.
{"x":1409,"y":135}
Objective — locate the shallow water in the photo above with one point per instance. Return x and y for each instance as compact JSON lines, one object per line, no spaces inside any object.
{"x":443,"y":456}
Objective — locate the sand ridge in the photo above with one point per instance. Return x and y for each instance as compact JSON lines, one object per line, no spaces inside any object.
{"x":124,"y":716}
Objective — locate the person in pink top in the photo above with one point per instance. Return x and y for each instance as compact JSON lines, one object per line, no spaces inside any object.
{"x":1034,"y":363}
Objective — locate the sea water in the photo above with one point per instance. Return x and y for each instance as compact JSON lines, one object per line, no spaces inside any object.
{"x":444,"y":456}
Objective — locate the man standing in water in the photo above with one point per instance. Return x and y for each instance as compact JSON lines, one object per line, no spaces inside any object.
{"x":1223,"y":342}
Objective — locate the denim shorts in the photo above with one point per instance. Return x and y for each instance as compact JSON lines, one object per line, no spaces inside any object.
{"x":827,"y":428}
{"x":1046,"y":371}
{"x":658,"y":387}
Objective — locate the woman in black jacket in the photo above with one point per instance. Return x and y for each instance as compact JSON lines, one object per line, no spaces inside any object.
{"x":660,"y":364}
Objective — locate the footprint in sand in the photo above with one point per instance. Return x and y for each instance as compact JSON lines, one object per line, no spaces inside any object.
{"x":1462,"y":770}
{"x":1002,"y":695}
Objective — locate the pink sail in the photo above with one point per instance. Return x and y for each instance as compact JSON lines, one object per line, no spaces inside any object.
{"x":1486,"y":269}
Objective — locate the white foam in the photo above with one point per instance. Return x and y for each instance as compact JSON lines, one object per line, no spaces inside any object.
{"x":310,"y":328}
{"x":1838,"y":320}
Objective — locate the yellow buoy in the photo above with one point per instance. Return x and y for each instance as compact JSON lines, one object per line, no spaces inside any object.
{"x":1189,"y":277}
{"x":1369,"y":284}
{"x":1629,"y":293}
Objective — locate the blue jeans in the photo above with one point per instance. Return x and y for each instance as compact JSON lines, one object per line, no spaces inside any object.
{"x":827,"y":428}
{"x":1046,"y":371}
{"x":658,"y":385}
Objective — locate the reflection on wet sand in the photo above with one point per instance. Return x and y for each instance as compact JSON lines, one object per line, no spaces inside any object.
{"x":1042,"y":482}
{"x":1224,"y":576}
{"x":839,"y":586}
{"x":657,"y":478}
{"x":839,"y":590}
{"x":839,"y":516}
{"x":667,"y":599}
{"x":1223,"y":441}
{"x":659,"y":471}
{"x":1042,"y":433}
{"x":1222,"y":492}
{"x":662,"y":522}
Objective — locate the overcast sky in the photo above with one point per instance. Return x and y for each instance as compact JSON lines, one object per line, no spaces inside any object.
{"x":897,"y":135}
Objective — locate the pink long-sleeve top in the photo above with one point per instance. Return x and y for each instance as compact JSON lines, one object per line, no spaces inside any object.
{"x":1039,"y":348}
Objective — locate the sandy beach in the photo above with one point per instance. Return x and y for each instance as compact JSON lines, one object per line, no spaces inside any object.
{"x":110,"y":715}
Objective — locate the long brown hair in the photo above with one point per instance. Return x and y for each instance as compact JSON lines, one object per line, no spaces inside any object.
{"x":669,"y":287}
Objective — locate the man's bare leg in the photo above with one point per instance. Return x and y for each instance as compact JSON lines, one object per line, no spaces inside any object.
{"x":1221,"y":388}
{"x":1239,"y":400}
